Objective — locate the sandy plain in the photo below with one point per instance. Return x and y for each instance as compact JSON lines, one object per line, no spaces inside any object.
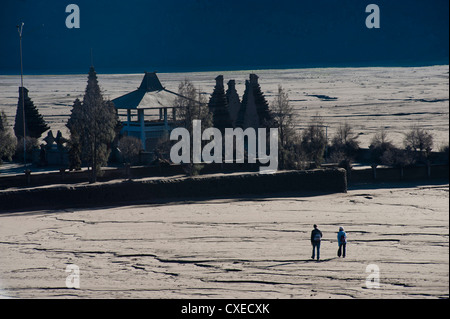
{"x":235,"y":248}
{"x":247,"y":247}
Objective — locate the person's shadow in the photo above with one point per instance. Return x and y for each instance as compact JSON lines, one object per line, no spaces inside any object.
{"x":310,"y":260}
{"x":320,"y":260}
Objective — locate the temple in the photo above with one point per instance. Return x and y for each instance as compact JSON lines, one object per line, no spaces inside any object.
{"x":147,"y":111}
{"x":151,"y":109}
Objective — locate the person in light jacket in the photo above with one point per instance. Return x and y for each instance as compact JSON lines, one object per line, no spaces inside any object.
{"x":342,"y":242}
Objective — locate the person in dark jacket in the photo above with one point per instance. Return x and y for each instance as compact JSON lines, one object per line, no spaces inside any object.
{"x":342,"y":242}
{"x":316,"y":237}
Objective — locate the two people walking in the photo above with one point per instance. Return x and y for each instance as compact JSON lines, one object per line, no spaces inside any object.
{"x":316,"y":238}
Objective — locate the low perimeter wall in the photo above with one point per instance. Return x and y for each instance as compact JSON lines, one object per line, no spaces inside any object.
{"x":101,"y":194}
{"x":73,"y":177}
{"x":391,"y":174}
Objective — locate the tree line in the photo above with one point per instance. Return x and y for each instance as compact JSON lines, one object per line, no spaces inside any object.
{"x":299,"y":149}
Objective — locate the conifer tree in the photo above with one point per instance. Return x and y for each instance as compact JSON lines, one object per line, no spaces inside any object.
{"x":74,"y":140}
{"x":254,"y":110}
{"x":247,"y":115}
{"x":234,"y":103}
{"x":34,"y":122}
{"x":262,"y":107}
{"x":93,"y":124}
{"x":218,"y":106}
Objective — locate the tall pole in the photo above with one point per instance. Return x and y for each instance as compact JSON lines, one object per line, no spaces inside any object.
{"x":20,"y":29}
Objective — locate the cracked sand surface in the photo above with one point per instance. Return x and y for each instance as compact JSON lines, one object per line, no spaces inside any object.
{"x":234,"y":248}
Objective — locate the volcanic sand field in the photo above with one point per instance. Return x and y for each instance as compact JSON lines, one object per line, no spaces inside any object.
{"x":247,"y":247}
{"x":235,"y":248}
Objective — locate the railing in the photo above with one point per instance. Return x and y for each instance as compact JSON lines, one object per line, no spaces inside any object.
{"x":148,"y":126}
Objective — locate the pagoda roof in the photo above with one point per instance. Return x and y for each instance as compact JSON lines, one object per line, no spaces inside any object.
{"x":150,"y":95}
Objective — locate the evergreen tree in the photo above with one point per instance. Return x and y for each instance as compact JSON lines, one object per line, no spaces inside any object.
{"x":93,"y":124}
{"x":254,"y":110}
{"x":234,"y":103}
{"x":34,"y":122}
{"x":262,"y":107}
{"x":247,"y":115}
{"x":74,"y":141}
{"x":218,"y":106}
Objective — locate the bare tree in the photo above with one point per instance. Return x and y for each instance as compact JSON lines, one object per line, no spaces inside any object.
{"x":378,"y":146}
{"x":283,"y":114}
{"x":344,"y":145}
{"x":192,"y":105}
{"x":314,"y":141}
{"x":419,"y":140}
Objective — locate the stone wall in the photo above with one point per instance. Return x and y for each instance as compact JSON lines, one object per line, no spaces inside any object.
{"x":208,"y":186}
